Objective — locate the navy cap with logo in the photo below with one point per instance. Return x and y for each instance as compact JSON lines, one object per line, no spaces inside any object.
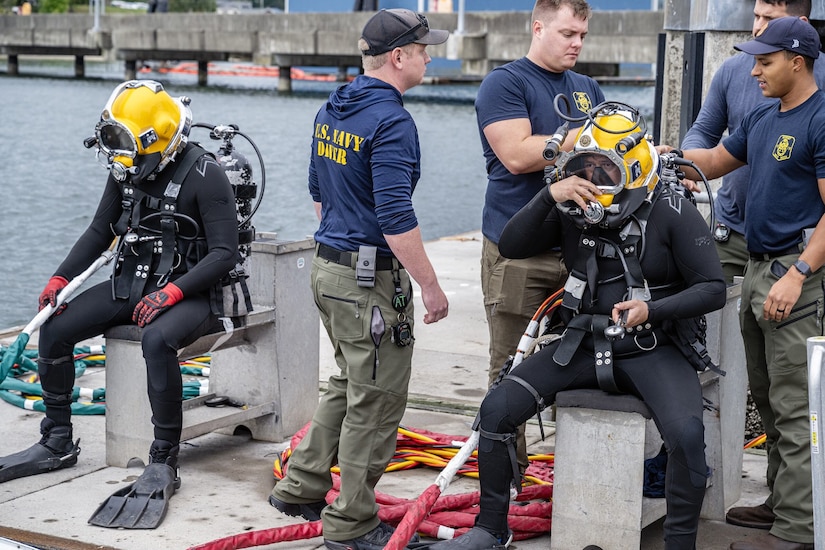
{"x":785,"y":33}
{"x":389,"y":29}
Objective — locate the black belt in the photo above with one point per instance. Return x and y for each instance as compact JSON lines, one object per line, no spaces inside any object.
{"x":340,"y":257}
{"x":771,"y":255}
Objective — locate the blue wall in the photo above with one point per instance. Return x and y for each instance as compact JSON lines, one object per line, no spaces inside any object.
{"x":469,"y":5}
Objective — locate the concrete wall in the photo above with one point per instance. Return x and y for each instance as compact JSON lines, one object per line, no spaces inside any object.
{"x":489,"y":38}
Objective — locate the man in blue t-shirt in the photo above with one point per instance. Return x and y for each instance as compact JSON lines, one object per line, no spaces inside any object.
{"x":516,"y":117}
{"x":364,"y":166}
{"x":733,"y":94}
{"x":783,"y":142}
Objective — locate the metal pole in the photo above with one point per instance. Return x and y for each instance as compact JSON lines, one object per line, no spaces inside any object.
{"x":816,"y":399}
{"x":460,"y":27}
{"x":96,"y":3}
{"x":286,"y":6}
{"x":421,"y":8}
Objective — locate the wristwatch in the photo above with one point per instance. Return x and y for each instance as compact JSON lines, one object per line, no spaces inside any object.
{"x":803,"y":268}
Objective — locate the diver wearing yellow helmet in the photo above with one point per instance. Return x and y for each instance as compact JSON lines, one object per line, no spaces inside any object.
{"x":642,"y":265}
{"x":172,"y":209}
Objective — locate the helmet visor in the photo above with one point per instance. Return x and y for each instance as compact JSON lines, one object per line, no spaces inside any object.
{"x":599,"y":169}
{"x":115,"y":139}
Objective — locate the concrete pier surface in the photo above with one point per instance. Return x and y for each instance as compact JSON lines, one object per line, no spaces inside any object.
{"x":227,"y":478}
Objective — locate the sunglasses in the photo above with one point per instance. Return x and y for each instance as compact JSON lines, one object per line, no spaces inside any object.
{"x":417,"y":32}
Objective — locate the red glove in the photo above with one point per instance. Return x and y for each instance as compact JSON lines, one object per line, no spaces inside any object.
{"x":155,"y":303}
{"x":49,"y":295}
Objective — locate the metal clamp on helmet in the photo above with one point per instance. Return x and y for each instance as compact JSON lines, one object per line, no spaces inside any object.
{"x":141,"y":129}
{"x":613,"y":152}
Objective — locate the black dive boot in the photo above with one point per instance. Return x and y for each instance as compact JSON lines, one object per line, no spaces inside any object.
{"x":143,"y":504}
{"x":54,"y":451}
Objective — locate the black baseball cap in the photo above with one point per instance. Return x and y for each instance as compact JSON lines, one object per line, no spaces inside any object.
{"x":784,"y":33}
{"x":393,"y":28}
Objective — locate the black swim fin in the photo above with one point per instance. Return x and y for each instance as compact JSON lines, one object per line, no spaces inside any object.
{"x":141,"y":505}
{"x":54,"y":451}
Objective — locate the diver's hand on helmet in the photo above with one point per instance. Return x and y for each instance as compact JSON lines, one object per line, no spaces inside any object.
{"x":634,"y":312}
{"x":576,"y":189}
{"x":155,"y":303}
{"x":49,"y":295}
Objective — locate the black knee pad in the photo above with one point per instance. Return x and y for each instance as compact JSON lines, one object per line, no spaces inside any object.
{"x":493,"y":414}
{"x":496,"y":411}
{"x":153,"y":342}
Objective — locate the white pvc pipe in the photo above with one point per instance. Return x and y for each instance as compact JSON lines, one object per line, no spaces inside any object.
{"x":816,"y":400}
{"x":445,"y":477}
{"x":43,"y":315}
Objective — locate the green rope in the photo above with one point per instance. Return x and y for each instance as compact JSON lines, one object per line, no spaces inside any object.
{"x":85,"y":401}
{"x":37,"y":404}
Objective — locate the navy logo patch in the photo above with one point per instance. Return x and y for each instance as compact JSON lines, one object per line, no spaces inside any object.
{"x":784,"y":147}
{"x":583,"y":102}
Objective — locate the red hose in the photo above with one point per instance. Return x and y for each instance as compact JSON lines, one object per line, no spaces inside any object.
{"x":431,"y":514}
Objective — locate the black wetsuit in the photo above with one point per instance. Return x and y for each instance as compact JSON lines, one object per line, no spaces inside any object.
{"x":207,"y":250}
{"x":681,"y":266}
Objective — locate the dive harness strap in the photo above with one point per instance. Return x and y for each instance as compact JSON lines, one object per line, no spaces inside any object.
{"x":689,"y":337}
{"x":509,"y":441}
{"x":585,"y":275}
{"x":571,"y":338}
{"x":167,"y":213}
{"x":603,"y":353}
{"x":137,"y":265}
{"x":124,"y":264}
{"x":540,"y":404}
{"x":585,"y":272}
{"x":231,"y":296}
{"x":579,"y":326}
{"x":577,"y":281}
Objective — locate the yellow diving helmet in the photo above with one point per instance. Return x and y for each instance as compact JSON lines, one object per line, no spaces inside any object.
{"x":613,"y":151}
{"x":142,"y":128}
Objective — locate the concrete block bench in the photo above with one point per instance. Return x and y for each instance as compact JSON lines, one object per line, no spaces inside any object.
{"x":603,"y":439}
{"x":269,"y":363}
